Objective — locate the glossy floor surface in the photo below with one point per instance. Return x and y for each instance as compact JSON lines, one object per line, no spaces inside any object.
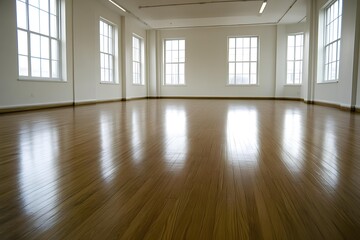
{"x":181,"y":169}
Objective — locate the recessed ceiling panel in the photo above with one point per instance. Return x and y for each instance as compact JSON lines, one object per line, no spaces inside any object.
{"x":192,"y":13}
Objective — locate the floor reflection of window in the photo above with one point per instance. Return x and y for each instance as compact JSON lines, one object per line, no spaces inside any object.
{"x":329,"y":162}
{"x":38,"y":172}
{"x":107,"y":145}
{"x":176,"y":142}
{"x":242,"y":135}
{"x":137,"y":151}
{"x":292,"y":140}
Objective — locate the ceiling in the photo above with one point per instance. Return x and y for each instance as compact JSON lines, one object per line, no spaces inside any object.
{"x":193,"y":13}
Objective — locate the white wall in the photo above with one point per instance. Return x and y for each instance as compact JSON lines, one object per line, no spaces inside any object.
{"x":14,"y":93}
{"x":87,"y":14}
{"x":129,"y":28}
{"x":282,"y":89}
{"x":206,"y":68}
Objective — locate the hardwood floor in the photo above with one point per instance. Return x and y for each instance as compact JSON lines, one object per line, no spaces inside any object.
{"x":181,"y":169}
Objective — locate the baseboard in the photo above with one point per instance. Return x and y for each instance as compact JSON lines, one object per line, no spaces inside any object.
{"x":217,"y":98}
{"x":34,"y":107}
{"x":134,"y":98}
{"x":91,"y":102}
{"x":53,"y":105}
{"x":342,"y":107}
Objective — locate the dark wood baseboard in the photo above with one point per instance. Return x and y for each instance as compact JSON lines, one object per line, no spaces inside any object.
{"x":34,"y":107}
{"x":333,"y":105}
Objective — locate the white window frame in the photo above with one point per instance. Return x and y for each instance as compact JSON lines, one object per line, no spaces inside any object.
{"x":332,"y":43}
{"x":175,"y":62}
{"x":298,"y":58}
{"x":138,"y":61}
{"x":238,"y":58}
{"x":50,"y":35}
{"x":107,"y":51}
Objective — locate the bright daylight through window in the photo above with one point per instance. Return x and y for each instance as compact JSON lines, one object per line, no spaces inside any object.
{"x":332,"y":37}
{"x":174,"y":62}
{"x":38,"y":36}
{"x":107,"y":56}
{"x":243,"y":56}
{"x":295,"y":52}
{"x":137,"y":61}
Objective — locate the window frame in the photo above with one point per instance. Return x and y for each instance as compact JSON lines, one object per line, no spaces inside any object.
{"x":295,"y":60}
{"x":112,"y":55}
{"x":334,"y":43}
{"x":250,"y":61}
{"x":140,"y":62}
{"x":178,"y":63}
{"x":32,"y":33}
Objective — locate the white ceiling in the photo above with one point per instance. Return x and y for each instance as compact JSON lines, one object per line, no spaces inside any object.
{"x":193,"y":13}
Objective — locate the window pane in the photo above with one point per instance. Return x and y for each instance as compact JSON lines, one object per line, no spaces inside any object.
{"x":231,"y":68}
{"x":291,"y":41}
{"x":45,"y":68}
{"x":246,"y":43}
{"x":175,"y":45}
{"x":21,"y":15}
{"x":297,"y":53}
{"x":231,"y":55}
{"x":35,"y":45}
{"x":53,"y":7}
{"x":182,"y":56}
{"x":231,"y":43}
{"x":253,"y":68}
{"x":253,"y":54}
{"x":55,"y":69}
{"x":45,"y":47}
{"x":35,"y":67}
{"x":290,"y":53}
{"x":175,"y":56}
{"x":22,"y":43}
{"x":34,"y":17}
{"x":54,"y":30}
{"x":23,"y":66}
{"x":110,"y":46}
{"x":181,"y":44}
{"x":44,"y":5}
{"x":290,"y":68}
{"x":54,"y":50}
{"x":254,"y":41}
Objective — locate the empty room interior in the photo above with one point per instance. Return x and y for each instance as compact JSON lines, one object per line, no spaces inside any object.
{"x":179,"y":119}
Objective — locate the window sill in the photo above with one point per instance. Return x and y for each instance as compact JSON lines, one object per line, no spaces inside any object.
{"x":30,"y":79}
{"x":328,"y":82}
{"x":292,"y":85}
{"x":174,"y":85}
{"x":243,"y":85}
{"x":138,"y":85}
{"x":110,"y":83}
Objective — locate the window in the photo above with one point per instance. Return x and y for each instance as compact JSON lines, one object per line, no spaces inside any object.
{"x":38,"y":39}
{"x":332,"y":35}
{"x":174,"y":62}
{"x":295,"y":52}
{"x":137,"y":61}
{"x":243,"y":55}
{"x":107,"y":56}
